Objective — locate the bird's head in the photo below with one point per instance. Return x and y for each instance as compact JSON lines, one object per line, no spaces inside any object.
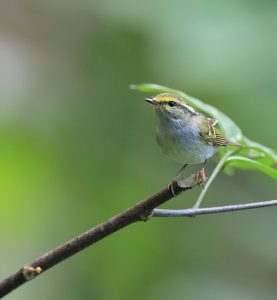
{"x":171,"y":106}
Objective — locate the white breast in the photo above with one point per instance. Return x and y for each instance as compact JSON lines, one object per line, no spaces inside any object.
{"x":182,"y":141}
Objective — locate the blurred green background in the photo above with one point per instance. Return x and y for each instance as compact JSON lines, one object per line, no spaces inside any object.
{"x":77,"y":146}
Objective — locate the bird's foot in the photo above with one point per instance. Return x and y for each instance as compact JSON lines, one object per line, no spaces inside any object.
{"x":171,"y":187}
{"x":201,"y":178}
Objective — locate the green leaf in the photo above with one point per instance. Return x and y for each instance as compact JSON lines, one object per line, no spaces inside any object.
{"x":228,"y":126}
{"x":269,"y":153}
{"x":243,"y":162}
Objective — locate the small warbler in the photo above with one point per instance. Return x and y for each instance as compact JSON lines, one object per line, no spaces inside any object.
{"x":183,"y":133}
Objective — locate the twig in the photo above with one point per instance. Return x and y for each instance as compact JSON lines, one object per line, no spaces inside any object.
{"x":141,"y":211}
{"x":191,"y":212}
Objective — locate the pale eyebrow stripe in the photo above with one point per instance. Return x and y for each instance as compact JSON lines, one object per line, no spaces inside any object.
{"x":190,"y":109}
{"x":166,"y":99}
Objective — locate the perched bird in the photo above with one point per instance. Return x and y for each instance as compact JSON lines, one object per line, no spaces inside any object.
{"x":183,"y":133}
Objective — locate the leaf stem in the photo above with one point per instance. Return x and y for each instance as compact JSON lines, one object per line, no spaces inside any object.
{"x":211,"y":179}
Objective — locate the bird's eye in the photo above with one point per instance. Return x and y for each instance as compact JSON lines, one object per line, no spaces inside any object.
{"x":171,"y":103}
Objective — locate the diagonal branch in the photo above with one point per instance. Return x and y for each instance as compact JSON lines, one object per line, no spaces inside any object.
{"x":141,"y":211}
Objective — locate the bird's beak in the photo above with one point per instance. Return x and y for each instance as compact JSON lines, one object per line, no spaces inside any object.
{"x":151,"y":101}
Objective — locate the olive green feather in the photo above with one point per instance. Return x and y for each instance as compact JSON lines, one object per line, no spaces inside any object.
{"x":211,"y":135}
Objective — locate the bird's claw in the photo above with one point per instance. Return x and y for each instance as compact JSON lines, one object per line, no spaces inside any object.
{"x":201,"y":178}
{"x":171,"y":187}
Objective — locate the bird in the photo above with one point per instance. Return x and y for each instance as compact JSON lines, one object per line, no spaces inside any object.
{"x":185,"y":134}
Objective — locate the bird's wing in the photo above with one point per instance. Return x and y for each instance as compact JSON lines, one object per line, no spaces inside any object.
{"x":211,"y":135}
